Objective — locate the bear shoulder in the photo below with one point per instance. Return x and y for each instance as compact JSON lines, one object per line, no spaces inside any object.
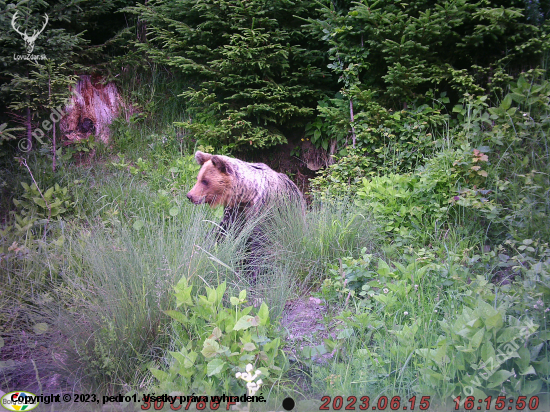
{"x":259,"y":166}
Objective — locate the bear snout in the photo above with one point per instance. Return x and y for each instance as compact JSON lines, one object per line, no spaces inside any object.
{"x":193,"y":199}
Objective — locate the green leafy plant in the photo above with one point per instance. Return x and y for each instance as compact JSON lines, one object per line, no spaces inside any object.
{"x":397,"y":203}
{"x":34,"y":204}
{"x":344,"y":176}
{"x":79,"y":148}
{"x":404,"y":202}
{"x":331,"y":126}
{"x":481,"y":353}
{"x":393,"y":141}
{"x":217,"y":342}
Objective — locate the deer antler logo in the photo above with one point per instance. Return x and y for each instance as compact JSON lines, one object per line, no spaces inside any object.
{"x":29,"y":40}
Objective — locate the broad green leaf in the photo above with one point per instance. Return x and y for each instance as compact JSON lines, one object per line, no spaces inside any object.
{"x":345,"y":333}
{"x":210,"y":348}
{"x":212,"y":295}
{"x":433,"y":374}
{"x":186,"y":360}
{"x":48,"y":194}
{"x":177,"y":315}
{"x":216,"y":334}
{"x":183,"y":295}
{"x":404,"y":270}
{"x":506,"y":102}
{"x":494,"y":322}
{"x":190,"y":359}
{"x":246,"y":322}
{"x":507,"y":334}
{"x":420,"y":273}
{"x":440,"y":355}
{"x":215,"y":366}
{"x":542,"y":367}
{"x":524,"y":358}
{"x":529,"y":371}
{"x":478,"y":394}
{"x":263,"y":314}
{"x":220,"y":290}
{"x":498,"y":378}
{"x":531,"y":387}
{"x":160,"y":375}
{"x":485,"y":310}
{"x":542,"y":287}
{"x":488,"y":353}
{"x":383,"y":268}
{"x":249,"y":347}
{"x":40,"y":202}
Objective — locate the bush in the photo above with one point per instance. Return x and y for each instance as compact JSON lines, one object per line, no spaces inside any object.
{"x":481,"y":353}
{"x":392,"y":141}
{"x":214,"y":342}
{"x":403,"y":50}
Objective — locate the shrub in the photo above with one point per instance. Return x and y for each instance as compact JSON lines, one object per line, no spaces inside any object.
{"x":214,"y":342}
{"x":392,"y":141}
{"x":481,"y":353}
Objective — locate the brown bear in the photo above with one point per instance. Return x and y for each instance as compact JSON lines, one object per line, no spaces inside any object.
{"x":244,"y":189}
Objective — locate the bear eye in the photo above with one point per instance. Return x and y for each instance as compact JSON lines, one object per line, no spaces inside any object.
{"x":205,"y":182}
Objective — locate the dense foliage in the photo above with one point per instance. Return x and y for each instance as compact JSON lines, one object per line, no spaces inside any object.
{"x":391,"y":55}
{"x":255,"y":73}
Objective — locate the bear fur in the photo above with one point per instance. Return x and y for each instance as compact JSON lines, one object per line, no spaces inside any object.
{"x":244,"y":189}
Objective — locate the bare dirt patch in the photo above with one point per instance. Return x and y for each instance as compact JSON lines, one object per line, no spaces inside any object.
{"x":304,"y":320}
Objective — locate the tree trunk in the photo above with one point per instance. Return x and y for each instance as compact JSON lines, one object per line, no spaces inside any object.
{"x":54,"y":123}
{"x":142,"y":29}
{"x":352,"y":127}
{"x":29,"y":126}
{"x":331,"y":151}
{"x":28,"y":120}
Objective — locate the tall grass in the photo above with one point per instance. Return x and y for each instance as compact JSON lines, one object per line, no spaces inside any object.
{"x":118,"y":283}
{"x":107,"y":294}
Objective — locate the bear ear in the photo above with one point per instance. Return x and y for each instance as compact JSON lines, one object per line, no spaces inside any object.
{"x":202,"y":158}
{"x":221,"y":164}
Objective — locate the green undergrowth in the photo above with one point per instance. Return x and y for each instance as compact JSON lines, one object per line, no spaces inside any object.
{"x":432,"y":273}
{"x":94,"y":283}
{"x":458,"y":305}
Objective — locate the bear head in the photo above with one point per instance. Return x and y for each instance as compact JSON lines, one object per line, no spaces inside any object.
{"x":214,"y":182}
